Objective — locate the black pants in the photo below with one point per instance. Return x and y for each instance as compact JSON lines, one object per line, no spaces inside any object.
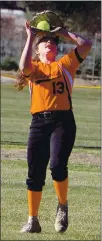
{"x":51,"y":137}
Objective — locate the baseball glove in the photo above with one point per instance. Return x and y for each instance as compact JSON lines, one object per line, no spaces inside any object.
{"x":49,"y":16}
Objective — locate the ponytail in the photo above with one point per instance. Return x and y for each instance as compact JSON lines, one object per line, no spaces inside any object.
{"x":21,"y":81}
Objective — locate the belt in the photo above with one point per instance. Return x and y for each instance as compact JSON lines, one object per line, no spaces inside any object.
{"x":44,"y":115}
{"x":48,"y":114}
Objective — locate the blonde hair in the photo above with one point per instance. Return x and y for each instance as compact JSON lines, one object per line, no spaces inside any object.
{"x":21,"y":80}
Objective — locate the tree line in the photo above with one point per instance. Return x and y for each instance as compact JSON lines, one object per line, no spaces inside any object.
{"x":77,"y":15}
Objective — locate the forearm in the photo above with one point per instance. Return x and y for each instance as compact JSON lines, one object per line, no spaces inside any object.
{"x":25,"y":64}
{"x":83,"y":44}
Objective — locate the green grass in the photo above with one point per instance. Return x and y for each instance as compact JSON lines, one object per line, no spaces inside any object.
{"x":84,"y":175}
{"x":16,"y":118}
{"x":86,"y":105}
{"x":84,"y":203}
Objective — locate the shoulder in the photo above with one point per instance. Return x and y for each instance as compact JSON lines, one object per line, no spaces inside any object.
{"x":68,"y":57}
{"x":71,"y":61}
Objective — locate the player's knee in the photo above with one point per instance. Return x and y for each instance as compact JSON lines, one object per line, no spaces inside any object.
{"x":59,"y":173}
{"x":34,"y":185}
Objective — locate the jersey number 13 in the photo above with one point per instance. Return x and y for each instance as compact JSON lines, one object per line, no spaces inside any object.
{"x":58,"y":87}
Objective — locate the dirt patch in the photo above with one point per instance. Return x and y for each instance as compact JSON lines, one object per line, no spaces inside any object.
{"x":11,"y":72}
{"x":12,"y":75}
{"x":13,"y":154}
{"x":85,"y":158}
{"x":21,"y":154}
{"x":87,"y":82}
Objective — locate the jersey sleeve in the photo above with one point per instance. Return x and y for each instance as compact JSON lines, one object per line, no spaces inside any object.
{"x":29,"y":77}
{"x":71,"y":61}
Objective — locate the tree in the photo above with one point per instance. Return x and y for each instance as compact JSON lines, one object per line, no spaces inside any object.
{"x":11,"y":38}
{"x":77,"y":15}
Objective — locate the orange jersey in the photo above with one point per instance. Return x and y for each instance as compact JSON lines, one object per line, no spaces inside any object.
{"x":47,"y":85}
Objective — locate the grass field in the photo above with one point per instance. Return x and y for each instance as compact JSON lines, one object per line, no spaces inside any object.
{"x":15,"y":115}
{"x":84,"y":170}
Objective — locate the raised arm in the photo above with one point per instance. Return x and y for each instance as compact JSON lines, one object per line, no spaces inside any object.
{"x":83,"y":44}
{"x":25,"y":63}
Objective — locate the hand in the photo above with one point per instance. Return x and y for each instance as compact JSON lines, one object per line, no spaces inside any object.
{"x":32,"y":31}
{"x":28,"y":29}
{"x":59,"y":31}
{"x":56,"y":30}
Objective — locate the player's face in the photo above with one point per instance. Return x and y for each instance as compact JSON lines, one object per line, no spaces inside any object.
{"x":46,"y":46}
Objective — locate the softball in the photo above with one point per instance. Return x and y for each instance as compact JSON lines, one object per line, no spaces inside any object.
{"x":43,"y":25}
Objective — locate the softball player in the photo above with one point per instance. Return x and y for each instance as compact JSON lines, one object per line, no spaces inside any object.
{"x":53,"y":129}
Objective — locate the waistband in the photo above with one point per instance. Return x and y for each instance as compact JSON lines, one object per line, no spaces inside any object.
{"x":51,"y":114}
